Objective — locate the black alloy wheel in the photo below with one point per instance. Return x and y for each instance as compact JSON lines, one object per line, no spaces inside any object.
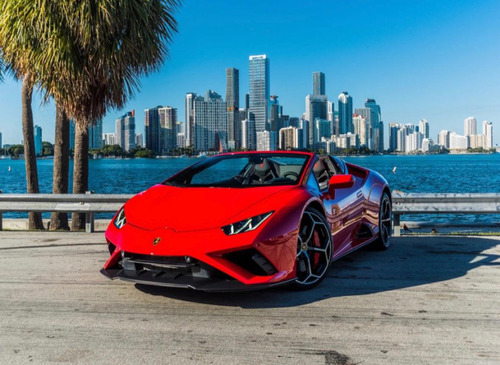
{"x":385,"y":223}
{"x":314,"y":250}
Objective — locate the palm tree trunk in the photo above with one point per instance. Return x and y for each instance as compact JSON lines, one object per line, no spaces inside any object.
{"x":59,"y":221}
{"x":80,"y":170}
{"x":35,"y":219}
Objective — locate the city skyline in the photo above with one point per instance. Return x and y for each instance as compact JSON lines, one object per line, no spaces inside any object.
{"x":418,"y":61}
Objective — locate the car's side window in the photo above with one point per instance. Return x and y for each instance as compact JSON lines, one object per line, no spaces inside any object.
{"x":336,"y":165}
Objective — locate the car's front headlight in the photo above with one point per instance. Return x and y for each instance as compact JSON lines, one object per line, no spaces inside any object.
{"x":120,"y":220}
{"x":246,"y":225}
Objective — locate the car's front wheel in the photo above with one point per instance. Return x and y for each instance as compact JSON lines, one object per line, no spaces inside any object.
{"x":314,"y":250}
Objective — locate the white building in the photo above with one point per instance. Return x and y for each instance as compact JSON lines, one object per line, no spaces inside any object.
{"x":444,"y":138}
{"x":476,"y":141}
{"x":361,"y":128}
{"x":210,"y":122}
{"x":470,"y":126}
{"x":413,"y":142}
{"x":290,"y":137}
{"x":488,"y":134}
{"x":458,"y":142}
{"x":266,"y":141}
{"x":109,"y":139}
{"x":423,"y":127}
{"x":248,"y":135}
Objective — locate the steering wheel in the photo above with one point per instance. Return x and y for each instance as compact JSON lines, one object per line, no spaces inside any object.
{"x":294,"y":174}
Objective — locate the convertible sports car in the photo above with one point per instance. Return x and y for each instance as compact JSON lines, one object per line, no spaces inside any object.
{"x":243,"y":221}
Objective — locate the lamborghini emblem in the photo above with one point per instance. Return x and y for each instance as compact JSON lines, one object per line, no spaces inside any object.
{"x":156,"y":241}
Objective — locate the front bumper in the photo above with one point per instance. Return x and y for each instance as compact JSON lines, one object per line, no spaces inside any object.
{"x":176,"y":272}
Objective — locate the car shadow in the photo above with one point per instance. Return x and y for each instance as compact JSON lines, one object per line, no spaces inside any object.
{"x":410,"y":262}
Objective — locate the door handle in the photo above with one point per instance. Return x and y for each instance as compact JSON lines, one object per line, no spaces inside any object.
{"x":358,"y":194}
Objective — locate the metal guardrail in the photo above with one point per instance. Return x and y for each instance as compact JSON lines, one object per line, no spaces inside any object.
{"x":442,"y":203}
{"x":68,"y":203}
{"x":413,"y":203}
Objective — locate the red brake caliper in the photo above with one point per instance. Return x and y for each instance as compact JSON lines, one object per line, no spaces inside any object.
{"x":317,"y":243}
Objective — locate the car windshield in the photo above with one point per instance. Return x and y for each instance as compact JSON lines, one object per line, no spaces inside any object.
{"x":243,"y":170}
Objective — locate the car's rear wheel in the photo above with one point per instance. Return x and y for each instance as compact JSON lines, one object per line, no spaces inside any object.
{"x":385,"y":223}
{"x":314,"y":250}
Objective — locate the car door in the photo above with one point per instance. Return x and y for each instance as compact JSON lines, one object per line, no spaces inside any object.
{"x":345,"y":207}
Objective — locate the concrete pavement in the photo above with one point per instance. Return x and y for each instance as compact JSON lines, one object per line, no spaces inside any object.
{"x":427,"y":300}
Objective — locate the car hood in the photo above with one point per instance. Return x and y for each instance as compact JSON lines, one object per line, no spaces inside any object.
{"x":192,"y":208}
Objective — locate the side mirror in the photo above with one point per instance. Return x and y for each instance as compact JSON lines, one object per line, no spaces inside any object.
{"x":340,"y":182}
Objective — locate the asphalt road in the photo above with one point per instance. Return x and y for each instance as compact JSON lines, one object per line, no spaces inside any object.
{"x":428,"y":300}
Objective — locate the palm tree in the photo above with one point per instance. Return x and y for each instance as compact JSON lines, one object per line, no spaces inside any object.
{"x":13,"y":43}
{"x":89,"y":56}
{"x":109,"y":45}
{"x":60,"y":180}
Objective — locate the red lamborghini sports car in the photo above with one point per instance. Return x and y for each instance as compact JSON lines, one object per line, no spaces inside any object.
{"x":243,"y":221}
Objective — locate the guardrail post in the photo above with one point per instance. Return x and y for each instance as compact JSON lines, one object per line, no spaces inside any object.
{"x":396,"y":228}
{"x":0,"y":215}
{"x":89,"y":218}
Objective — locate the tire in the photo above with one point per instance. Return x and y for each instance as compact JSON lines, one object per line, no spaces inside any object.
{"x":314,"y":250}
{"x":383,"y":241}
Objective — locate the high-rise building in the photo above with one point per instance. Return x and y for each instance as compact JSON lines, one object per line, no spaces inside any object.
{"x":95,"y":134}
{"x":189,"y":129}
{"x":290,"y":137}
{"x":139,"y":140}
{"x":125,"y":131}
{"x":275,"y":118}
{"x":345,"y":113}
{"x":266,"y":141}
{"x":168,"y":128}
{"x":361,"y":128}
{"x":487,"y":133}
{"x":259,"y":87}
{"x":38,"y":140}
{"x":377,"y":129}
{"x":444,"y":138}
{"x":248,"y":135}
{"x":393,"y":136}
{"x":458,"y":142}
{"x":233,"y":104}
{"x":423,"y":127}
{"x":470,"y":126}
{"x":318,"y":83}
{"x":330,"y":115}
{"x":152,"y":129}
{"x":322,"y":129}
{"x":210,"y":122}
{"x":109,"y":139}
{"x":316,"y":107}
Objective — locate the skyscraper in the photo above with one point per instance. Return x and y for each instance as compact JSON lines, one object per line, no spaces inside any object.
{"x":487,"y":132}
{"x":393,"y":136}
{"x":423,"y":127}
{"x":152,"y":129}
{"x":168,"y":128}
{"x":330,"y":115}
{"x":377,"y":125}
{"x":345,"y":113}
{"x":125,"y":131}
{"x":233,"y":104}
{"x":470,"y":126}
{"x":210,"y":122}
{"x":38,"y":140}
{"x":248,"y":135}
{"x":444,"y":138}
{"x":259,"y":90}
{"x":318,"y":83}
{"x":189,"y":104}
{"x":275,"y":120}
{"x":316,"y":108}
{"x":95,"y":134}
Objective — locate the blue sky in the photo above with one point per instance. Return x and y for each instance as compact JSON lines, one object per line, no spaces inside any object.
{"x":437,"y":60}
